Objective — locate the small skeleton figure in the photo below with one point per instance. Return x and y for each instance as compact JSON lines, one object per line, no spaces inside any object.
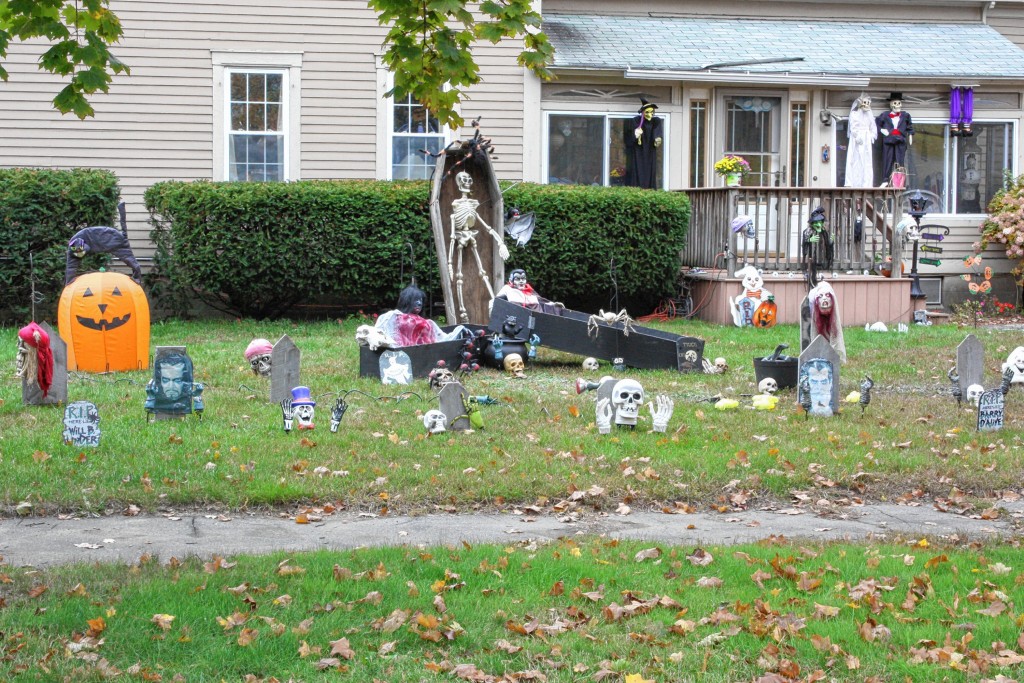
{"x":514,"y":365}
{"x":974,"y":393}
{"x":258,"y":354}
{"x":865,"y":392}
{"x":954,"y":378}
{"x":768,"y":386}
{"x":464,"y":220}
{"x":1004,"y":385}
{"x":338,"y":412}
{"x":303,"y":405}
{"x":609,"y":319}
{"x":805,"y":396}
{"x":374,"y":337}
{"x":662,"y":414}
{"x":433,"y":421}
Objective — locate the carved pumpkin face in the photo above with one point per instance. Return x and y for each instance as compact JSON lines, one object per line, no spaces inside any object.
{"x":104,"y":319}
{"x":766,"y":313}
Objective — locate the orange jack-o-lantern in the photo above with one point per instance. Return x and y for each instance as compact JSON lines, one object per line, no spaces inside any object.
{"x":104,"y":319}
{"x":766,"y":314}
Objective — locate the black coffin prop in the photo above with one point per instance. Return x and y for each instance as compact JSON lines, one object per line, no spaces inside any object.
{"x":643,"y":347}
{"x":424,"y":357}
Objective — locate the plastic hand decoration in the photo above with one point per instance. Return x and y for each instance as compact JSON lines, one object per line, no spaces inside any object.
{"x":534,"y":343}
{"x":662,"y":414}
{"x":497,"y":344}
{"x":338,"y":412}
{"x":657,"y":142}
{"x":603,"y":418}
{"x":473,"y":414}
{"x":502,"y":251}
{"x":287,"y":413}
{"x":815,"y":237}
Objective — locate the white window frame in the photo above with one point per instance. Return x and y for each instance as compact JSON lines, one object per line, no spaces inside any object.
{"x":289,"y":64}
{"x":608,"y":117}
{"x":386,"y":124}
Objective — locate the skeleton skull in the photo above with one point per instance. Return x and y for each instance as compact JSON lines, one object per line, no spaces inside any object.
{"x":627,"y":399}
{"x":514,"y":365}
{"x":439,"y":377}
{"x":974,"y":393}
{"x":464,"y":181}
{"x":721,"y":364}
{"x":434,"y":421}
{"x":590,"y":364}
{"x":260,"y":364}
{"x":768,"y":385}
{"x":304,"y":414}
{"x":22,"y":357}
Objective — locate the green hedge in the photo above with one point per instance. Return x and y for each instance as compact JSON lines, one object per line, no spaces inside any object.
{"x":40,"y":209}
{"x":257,"y":249}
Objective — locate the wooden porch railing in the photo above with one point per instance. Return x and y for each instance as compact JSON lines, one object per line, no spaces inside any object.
{"x":780,"y":215}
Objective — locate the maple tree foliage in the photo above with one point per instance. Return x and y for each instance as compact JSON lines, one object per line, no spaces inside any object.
{"x":79,"y":32}
{"x":428,"y":47}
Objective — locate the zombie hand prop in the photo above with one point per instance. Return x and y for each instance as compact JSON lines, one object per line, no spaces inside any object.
{"x":662,"y":414}
{"x":287,"y":413}
{"x":502,"y":251}
{"x":338,"y":412}
{"x":603,"y":418}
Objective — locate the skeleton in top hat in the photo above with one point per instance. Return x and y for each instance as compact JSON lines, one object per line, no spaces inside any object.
{"x":464,"y":220}
{"x":642,"y":139}
{"x":897,"y":131}
{"x":34,"y":361}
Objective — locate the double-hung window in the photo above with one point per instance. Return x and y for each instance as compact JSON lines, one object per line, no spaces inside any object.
{"x":416,"y":139}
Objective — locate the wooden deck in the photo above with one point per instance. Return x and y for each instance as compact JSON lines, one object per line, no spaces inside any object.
{"x":862,"y":299}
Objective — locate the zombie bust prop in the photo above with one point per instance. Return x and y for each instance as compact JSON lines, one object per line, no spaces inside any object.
{"x":825,"y":318}
{"x":258,"y":354}
{"x":172,"y":391}
{"x":518,"y":291}
{"x":406,"y":326}
{"x":34,"y":361}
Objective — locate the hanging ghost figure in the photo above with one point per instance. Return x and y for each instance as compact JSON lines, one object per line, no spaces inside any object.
{"x":863,"y":131}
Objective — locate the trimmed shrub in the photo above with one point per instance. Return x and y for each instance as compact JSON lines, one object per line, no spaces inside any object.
{"x":257,"y":249}
{"x":590,"y":240}
{"x":40,"y":209}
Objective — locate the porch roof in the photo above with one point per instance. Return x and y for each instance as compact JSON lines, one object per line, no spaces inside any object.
{"x":808,"y":51}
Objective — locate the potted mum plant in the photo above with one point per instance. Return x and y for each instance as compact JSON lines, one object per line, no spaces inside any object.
{"x":732,"y":168}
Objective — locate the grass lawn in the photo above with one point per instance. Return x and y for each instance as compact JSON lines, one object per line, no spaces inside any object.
{"x":539,"y":446}
{"x":577,"y":610}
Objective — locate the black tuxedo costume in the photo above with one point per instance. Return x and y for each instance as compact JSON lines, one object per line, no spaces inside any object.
{"x":894,"y":145}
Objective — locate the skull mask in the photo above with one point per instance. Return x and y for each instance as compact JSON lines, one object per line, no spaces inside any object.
{"x":260,"y":364}
{"x":627,"y":398}
{"x":434,"y":421}
{"x":440,"y":377}
{"x":974,"y":393}
{"x":721,"y":364}
{"x":590,"y":364}
{"x":768,"y":385}
{"x":304,"y":414}
{"x":514,"y":365}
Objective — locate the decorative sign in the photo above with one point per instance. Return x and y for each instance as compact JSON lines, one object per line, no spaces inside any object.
{"x":395,"y":367}
{"x":930,"y":261}
{"x":990,"y":411}
{"x":819,"y":365}
{"x":932,"y":236}
{"x":930,"y":248}
{"x":82,"y":424}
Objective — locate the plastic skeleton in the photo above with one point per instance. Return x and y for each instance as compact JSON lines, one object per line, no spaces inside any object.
{"x":609,"y":319}
{"x":464,"y":220}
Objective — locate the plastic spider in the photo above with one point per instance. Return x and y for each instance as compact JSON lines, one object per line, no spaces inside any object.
{"x":609,"y":318}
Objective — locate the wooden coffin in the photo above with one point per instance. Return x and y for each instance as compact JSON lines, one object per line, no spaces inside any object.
{"x":643,"y":347}
{"x":464,"y":156}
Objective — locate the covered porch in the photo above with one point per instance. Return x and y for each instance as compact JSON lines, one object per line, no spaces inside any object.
{"x":862,"y":222}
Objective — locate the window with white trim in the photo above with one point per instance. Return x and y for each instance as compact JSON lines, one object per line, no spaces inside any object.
{"x":590,"y":149}
{"x":256,"y":116}
{"x":416,"y":139}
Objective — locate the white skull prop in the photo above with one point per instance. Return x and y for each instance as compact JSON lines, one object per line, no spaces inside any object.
{"x":261,"y":364}
{"x":440,"y":376}
{"x":721,"y":364}
{"x":627,"y":399}
{"x":373,"y":337}
{"x":304,"y":414}
{"x":1016,"y":361}
{"x":434,"y":421}
{"x":974,"y":393}
{"x":590,"y":364}
{"x":514,"y":365}
{"x":768,"y":385}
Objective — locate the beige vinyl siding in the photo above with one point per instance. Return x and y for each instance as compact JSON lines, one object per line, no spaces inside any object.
{"x":157,"y":124}
{"x":1008,"y":19}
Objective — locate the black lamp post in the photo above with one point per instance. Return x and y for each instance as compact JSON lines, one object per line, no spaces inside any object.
{"x":918,"y":208}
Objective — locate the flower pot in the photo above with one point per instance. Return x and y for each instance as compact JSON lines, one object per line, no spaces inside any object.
{"x":733,"y":179}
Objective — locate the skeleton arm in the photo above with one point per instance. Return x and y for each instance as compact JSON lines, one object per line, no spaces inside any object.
{"x":502,"y":249}
{"x":451,"y":248}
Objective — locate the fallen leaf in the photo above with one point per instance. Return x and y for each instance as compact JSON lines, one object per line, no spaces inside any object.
{"x":342,"y":648}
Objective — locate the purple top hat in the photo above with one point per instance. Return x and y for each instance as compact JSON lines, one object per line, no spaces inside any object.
{"x":301,"y":397}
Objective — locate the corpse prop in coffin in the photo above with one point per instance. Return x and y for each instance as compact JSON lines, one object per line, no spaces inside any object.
{"x":642,"y":347}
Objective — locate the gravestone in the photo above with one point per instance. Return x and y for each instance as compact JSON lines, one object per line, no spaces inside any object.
{"x":284,"y":369}
{"x":31,"y":394}
{"x":970,"y":362}
{"x":81,"y":424}
{"x":990,"y":411}
{"x":819,"y":363}
{"x":173,"y":392}
{"x":451,"y":398}
{"x":395,"y":367}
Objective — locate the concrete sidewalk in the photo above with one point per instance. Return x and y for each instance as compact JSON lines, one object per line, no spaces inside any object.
{"x":46,"y":541}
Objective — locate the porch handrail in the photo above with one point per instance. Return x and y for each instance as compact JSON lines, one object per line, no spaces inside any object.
{"x":780,"y":215}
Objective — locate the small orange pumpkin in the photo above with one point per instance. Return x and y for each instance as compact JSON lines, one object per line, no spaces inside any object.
{"x":767,"y":313}
{"x":103,"y":317}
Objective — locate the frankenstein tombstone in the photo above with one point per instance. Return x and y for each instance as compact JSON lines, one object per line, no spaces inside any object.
{"x":172,"y":393}
{"x":284,"y":369}
{"x":819,"y":366}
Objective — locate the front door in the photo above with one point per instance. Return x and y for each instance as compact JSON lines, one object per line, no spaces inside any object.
{"x":752,"y":131}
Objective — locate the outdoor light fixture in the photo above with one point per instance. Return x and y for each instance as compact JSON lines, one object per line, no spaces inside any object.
{"x":826,"y":116}
{"x":918,"y":208}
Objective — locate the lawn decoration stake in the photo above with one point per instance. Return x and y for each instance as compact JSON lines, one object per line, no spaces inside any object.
{"x":103,"y":317}
{"x":337,"y":413}
{"x":1007,"y":381}
{"x":81,"y":425}
{"x":172,"y":393}
{"x":865,"y":392}
{"x":258,"y":355}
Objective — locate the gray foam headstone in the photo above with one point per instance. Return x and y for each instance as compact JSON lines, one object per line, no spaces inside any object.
{"x":31,"y":394}
{"x":970,"y":362}
{"x":81,"y":424}
{"x":451,"y":405}
{"x":285,"y":360}
{"x":818,"y":351}
{"x":990,"y":411}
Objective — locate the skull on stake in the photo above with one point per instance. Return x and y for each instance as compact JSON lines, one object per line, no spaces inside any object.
{"x":974,"y":393}
{"x":768,"y":385}
{"x":514,"y":365}
{"x":258,"y":354}
{"x":627,"y":399}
